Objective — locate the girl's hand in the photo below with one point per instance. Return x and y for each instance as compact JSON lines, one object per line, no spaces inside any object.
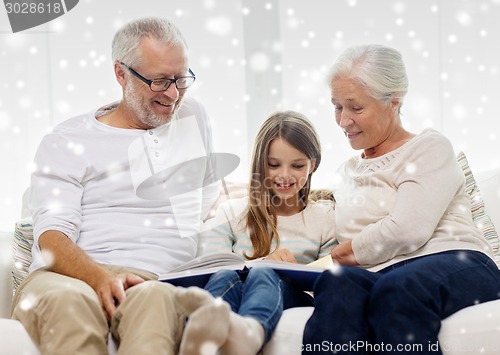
{"x":282,"y":255}
{"x":342,"y":254}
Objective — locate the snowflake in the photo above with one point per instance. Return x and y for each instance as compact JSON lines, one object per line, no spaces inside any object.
{"x":169,"y":222}
{"x":464,"y":18}
{"x":220,"y":26}
{"x":47,"y":257}
{"x":411,"y":168}
{"x":27,"y":302}
{"x":208,"y":348}
{"x":336,"y":270}
{"x":259,"y":61}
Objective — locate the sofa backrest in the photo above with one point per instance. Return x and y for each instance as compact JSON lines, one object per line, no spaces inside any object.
{"x":479,"y":214}
{"x":489,"y":185}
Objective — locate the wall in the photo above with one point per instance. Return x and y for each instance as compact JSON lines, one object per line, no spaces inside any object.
{"x":252,"y":57}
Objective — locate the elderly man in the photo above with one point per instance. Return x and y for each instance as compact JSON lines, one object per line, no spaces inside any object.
{"x":113,"y":206}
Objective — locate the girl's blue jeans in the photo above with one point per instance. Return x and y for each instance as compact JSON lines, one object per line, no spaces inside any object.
{"x":258,"y":293}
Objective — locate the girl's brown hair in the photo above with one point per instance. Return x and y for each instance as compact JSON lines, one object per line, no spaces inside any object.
{"x":261,"y":218}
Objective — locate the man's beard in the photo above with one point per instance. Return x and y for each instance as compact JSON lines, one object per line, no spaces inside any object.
{"x":144,"y":113}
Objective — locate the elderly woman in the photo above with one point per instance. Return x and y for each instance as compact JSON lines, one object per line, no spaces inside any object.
{"x":409,"y":252}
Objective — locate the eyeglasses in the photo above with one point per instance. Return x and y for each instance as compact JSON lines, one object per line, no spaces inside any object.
{"x":158,"y":85}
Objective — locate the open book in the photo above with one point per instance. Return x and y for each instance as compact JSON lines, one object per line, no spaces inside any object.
{"x":197,"y":271}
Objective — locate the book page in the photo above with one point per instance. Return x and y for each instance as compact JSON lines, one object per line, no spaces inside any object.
{"x":284,"y":265}
{"x":325,"y":262}
{"x":209,"y":261}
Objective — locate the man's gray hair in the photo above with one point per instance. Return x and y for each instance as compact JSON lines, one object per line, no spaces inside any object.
{"x":127,"y":39}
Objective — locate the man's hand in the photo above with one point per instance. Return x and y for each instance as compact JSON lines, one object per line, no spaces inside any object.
{"x":111,"y":290}
{"x":68,"y":259}
{"x":282,"y":255}
{"x":342,"y":254}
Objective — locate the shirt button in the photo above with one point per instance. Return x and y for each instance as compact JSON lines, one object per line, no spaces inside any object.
{"x":156,"y":141}
{"x":157,"y":154}
{"x":150,"y":133}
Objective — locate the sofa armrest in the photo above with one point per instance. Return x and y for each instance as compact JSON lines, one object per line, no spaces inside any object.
{"x":19,"y":342}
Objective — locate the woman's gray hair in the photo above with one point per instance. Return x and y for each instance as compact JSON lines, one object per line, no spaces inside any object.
{"x":127,"y":39}
{"x":378,"y":68}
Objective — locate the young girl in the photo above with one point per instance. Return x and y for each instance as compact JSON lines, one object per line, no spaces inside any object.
{"x":274,"y":222}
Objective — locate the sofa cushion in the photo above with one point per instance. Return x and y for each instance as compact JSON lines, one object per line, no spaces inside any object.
{"x":23,"y":241}
{"x":479,"y":216}
{"x":287,"y":338}
{"x":489,"y":184}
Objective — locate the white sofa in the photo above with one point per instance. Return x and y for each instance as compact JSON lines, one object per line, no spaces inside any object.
{"x":473,"y":330}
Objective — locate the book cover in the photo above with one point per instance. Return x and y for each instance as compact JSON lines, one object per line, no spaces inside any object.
{"x":197,"y":271}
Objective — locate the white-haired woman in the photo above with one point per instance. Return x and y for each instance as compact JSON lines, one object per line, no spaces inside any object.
{"x":409,"y":252}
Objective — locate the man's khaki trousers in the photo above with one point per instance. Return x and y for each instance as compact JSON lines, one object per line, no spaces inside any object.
{"x":63,"y":315}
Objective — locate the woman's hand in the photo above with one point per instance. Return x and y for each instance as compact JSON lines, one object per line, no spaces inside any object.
{"x":342,"y":254}
{"x":282,"y":255}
